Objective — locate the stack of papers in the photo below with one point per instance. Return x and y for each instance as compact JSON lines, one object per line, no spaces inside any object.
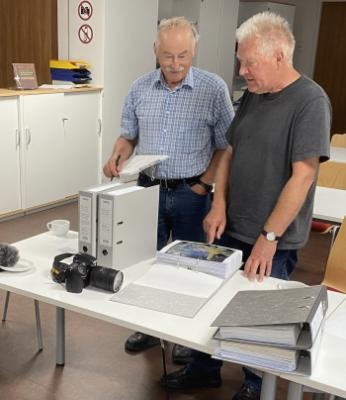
{"x":282,"y":335}
{"x":262,"y":356}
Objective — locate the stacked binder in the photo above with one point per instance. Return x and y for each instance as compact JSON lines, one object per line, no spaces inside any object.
{"x":273,"y":329}
{"x":118,"y":220}
{"x":69,"y":72}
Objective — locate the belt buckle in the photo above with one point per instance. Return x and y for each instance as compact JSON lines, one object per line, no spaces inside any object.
{"x":164,"y":184}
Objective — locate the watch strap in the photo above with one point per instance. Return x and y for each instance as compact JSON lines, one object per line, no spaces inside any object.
{"x":265,"y":234}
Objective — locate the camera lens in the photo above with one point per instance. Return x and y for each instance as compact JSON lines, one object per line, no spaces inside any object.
{"x":106,"y":278}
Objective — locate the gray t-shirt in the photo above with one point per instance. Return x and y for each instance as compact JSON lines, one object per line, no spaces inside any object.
{"x":269,"y":132}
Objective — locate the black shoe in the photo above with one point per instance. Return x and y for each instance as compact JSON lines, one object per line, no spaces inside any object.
{"x":185,"y":378}
{"x":181,"y":354}
{"x":139,"y":341}
{"x":247,"y":392}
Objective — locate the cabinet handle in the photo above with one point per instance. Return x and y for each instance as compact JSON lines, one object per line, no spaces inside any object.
{"x":99,"y":126}
{"x":28,"y":136}
{"x":17,"y":138}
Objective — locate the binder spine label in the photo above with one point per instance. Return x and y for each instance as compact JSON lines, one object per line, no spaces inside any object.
{"x":85,"y":219}
{"x":106,"y":223}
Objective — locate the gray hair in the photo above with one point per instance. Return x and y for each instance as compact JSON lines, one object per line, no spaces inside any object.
{"x":177,"y":22}
{"x":272,"y":33}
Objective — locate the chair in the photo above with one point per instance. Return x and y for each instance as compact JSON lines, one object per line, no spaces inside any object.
{"x":338,"y":140}
{"x":37,"y":315}
{"x":334,"y":279}
{"x":325,"y":228}
{"x":335,"y":273}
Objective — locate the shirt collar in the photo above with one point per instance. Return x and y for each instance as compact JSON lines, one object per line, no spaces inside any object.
{"x":188,"y":80}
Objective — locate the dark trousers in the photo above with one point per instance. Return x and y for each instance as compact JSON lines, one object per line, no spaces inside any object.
{"x":181,"y":213}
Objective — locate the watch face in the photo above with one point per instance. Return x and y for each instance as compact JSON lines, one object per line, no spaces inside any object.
{"x":271,"y":236}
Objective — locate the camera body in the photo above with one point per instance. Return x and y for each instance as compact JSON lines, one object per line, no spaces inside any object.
{"x":84,"y":271}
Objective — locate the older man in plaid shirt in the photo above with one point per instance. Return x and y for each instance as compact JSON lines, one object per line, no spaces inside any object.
{"x":183,"y":112}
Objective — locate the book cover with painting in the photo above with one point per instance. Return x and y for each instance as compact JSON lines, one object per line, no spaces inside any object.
{"x":209,"y":258}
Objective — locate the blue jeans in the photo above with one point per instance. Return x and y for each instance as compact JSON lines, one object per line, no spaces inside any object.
{"x":283,"y":264}
{"x":181,"y":213}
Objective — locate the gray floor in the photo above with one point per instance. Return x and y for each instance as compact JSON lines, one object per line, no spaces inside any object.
{"x":96,"y":365}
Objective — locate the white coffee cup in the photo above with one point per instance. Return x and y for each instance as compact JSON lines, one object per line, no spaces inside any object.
{"x":59,"y":227}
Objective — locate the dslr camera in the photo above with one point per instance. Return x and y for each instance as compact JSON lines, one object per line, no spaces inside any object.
{"x":84,"y":271}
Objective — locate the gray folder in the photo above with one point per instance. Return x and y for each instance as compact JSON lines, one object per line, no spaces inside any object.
{"x":305,"y":306}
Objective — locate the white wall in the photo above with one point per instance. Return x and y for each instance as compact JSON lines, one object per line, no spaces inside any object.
{"x":165,"y":9}
{"x":129,"y":39}
{"x":121,"y":50}
{"x":306,"y":27}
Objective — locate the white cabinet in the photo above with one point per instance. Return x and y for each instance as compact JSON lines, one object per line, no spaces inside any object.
{"x":43,"y":148}
{"x":249,"y":8}
{"x":9,"y":155}
{"x":82,"y":125}
{"x":50,"y":146}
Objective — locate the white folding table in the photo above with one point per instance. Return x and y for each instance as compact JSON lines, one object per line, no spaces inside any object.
{"x":194,"y":332}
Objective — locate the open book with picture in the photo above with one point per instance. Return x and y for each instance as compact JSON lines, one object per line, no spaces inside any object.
{"x":209,"y":258}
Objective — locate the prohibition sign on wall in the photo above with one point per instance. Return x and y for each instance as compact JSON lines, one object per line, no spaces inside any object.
{"x":85,"y":10}
{"x":85,"y":33}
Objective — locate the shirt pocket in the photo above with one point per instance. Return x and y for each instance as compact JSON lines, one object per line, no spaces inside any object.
{"x":193,"y":134}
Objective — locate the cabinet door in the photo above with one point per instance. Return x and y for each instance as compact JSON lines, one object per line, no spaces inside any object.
{"x":82,"y":140}
{"x":43,"y":149}
{"x":9,"y":155}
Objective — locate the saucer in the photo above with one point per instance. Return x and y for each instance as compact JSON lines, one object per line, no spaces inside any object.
{"x":21,"y":266}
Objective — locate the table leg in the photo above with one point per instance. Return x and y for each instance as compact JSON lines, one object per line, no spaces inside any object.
{"x":60,"y":336}
{"x":268,"y":391}
{"x":295,"y":391}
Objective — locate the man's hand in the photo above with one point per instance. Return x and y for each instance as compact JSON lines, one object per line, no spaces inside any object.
{"x":114,"y":165}
{"x":214,"y":223}
{"x":122,"y":151}
{"x":260,"y":259}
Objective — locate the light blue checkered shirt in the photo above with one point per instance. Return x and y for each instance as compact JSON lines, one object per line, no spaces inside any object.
{"x":188,"y":123}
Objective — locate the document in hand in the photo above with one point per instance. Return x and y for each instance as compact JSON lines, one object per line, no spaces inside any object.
{"x":138,"y":163}
{"x":209,"y":258}
{"x":295,"y":361}
{"x":286,"y":317}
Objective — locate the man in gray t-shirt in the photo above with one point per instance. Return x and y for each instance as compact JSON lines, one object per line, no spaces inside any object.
{"x":266,"y":178}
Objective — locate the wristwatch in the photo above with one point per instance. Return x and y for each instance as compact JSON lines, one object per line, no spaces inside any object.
{"x":208,"y":188}
{"x":270,"y":236}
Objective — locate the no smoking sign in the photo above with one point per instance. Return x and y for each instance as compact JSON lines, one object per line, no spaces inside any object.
{"x":85,"y":33}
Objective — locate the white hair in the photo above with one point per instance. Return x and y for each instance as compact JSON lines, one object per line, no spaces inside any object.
{"x":170,"y":23}
{"x":272,"y":33}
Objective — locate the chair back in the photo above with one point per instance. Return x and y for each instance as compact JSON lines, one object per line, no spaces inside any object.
{"x":338,"y":140}
{"x":335,"y":273}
